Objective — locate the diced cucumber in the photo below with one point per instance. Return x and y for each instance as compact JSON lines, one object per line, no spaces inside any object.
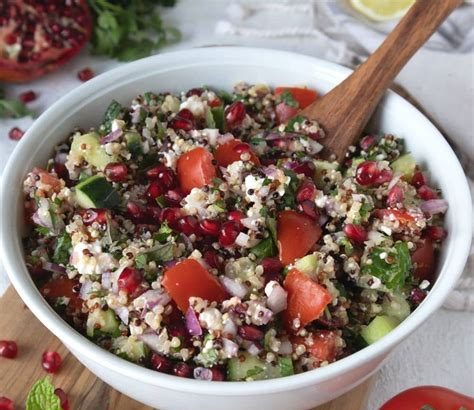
{"x":307,"y":264}
{"x":218,"y":116}
{"x":395,"y":305}
{"x":134,"y":143}
{"x":102,"y":322}
{"x":378,"y":328}
{"x":246,"y":366}
{"x":321,"y":169}
{"x":405,"y":165}
{"x":88,"y":147}
{"x":96,"y":192}
{"x":129,"y":348}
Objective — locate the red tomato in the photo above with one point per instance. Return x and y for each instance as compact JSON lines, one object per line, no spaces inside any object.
{"x":296,"y":234}
{"x":62,"y":287}
{"x":402,"y":216}
{"x":195,"y":169}
{"x":306,"y":299}
{"x":304,"y":96}
{"x":189,"y":278}
{"x":321,"y":344}
{"x":230,"y":152}
{"x":424,"y":258}
{"x":284,"y":112}
{"x":438,"y":398}
{"x":216,"y":102}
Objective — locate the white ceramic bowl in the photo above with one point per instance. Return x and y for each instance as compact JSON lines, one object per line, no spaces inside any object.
{"x":223,"y":67}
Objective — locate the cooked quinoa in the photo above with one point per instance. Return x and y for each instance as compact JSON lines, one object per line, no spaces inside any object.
{"x":202,"y":234}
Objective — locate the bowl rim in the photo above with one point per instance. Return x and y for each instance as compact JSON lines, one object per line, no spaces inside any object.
{"x":12,"y":255}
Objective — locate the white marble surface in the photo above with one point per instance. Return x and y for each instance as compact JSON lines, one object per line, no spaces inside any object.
{"x":440,"y":352}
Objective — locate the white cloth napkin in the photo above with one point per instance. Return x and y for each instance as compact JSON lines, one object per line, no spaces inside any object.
{"x":344,"y":36}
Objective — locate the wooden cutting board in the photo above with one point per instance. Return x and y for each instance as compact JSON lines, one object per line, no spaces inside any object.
{"x":84,"y":390}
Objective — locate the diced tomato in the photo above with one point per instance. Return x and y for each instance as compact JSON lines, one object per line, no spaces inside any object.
{"x":284,"y":112}
{"x":424,"y":258}
{"x":216,"y":102}
{"x":231,"y":151}
{"x":62,"y":287}
{"x":189,"y":278}
{"x":304,"y":96}
{"x":402,"y":216}
{"x":296,"y":234}
{"x":321,"y":344}
{"x":48,"y":179}
{"x":195,"y":169}
{"x":306,"y":299}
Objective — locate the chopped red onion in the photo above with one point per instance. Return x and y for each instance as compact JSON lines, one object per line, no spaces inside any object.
{"x":61,"y":158}
{"x":152,"y":340}
{"x":394,"y":181}
{"x":434,"y":206}
{"x":323,"y":218}
{"x":285,"y":347}
{"x":123,"y":313}
{"x":277,"y":296}
{"x":270,"y":171}
{"x":155,"y":297}
{"x":253,"y":349}
{"x":111,"y":136}
{"x":201,"y":373}
{"x":233,"y":287}
{"x":53,"y":267}
{"x":229,"y":347}
{"x":106,"y":280}
{"x":85,"y":289}
{"x":170,"y":264}
{"x":192,"y":323}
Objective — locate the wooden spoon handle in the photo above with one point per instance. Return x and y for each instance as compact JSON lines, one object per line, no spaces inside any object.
{"x":352,"y":102}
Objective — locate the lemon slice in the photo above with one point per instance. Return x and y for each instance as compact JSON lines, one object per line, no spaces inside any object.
{"x":382,"y":10}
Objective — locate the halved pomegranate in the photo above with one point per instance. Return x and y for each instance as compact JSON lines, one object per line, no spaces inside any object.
{"x":38,"y":36}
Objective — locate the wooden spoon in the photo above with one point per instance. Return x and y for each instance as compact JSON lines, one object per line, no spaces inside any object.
{"x":345,"y":110}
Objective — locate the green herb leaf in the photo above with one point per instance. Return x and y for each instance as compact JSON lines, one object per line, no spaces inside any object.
{"x":393,"y":269}
{"x":163,"y":233}
{"x":42,"y":230}
{"x":254,"y":372}
{"x":290,"y":124}
{"x":161,"y":201}
{"x":265,"y":248}
{"x":61,"y":251}
{"x":141,"y":261}
{"x":161,"y":253}
{"x":287,"y":98}
{"x":112,"y":112}
{"x":42,"y":397}
{"x":14,"y":109}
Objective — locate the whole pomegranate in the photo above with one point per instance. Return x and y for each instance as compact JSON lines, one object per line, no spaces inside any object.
{"x":39,"y":36}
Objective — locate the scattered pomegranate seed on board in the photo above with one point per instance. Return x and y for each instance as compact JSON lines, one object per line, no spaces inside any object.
{"x":15,"y":134}
{"x":8,"y":349}
{"x":85,"y":74}
{"x":51,"y":361}
{"x":27,"y":96}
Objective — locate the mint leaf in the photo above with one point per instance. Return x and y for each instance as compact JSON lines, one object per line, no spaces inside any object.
{"x":141,"y":261}
{"x":113,"y":111}
{"x":290,"y":124}
{"x":265,"y":248}
{"x":42,"y":397}
{"x":61,"y":251}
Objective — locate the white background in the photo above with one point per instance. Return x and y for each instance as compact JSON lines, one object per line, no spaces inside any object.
{"x":440,"y":352}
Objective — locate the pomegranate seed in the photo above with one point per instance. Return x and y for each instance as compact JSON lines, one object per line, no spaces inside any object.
{"x":367,"y":173}
{"x":61,"y":171}
{"x":161,"y":364}
{"x":217,"y":374}
{"x":184,"y":120}
{"x":154,"y":191}
{"x":212,"y":259}
{"x":195,"y":91}
{"x":165,"y":176}
{"x":367,"y":142}
{"x":129,"y":280}
{"x":228,"y":233}
{"x":174,"y":197}
{"x":242,"y":148}
{"x":6,"y":403}
{"x":171,"y":216}
{"x":89,"y":216}
{"x":27,"y":96}
{"x":188,"y":225}
{"x":135,"y":211}
{"x":10,"y":39}
{"x":182,"y":369}
{"x":309,"y":208}
{"x":251,"y":333}
{"x":436,"y":233}
{"x":237,"y":217}
{"x":235,"y":114}
{"x":355,"y":233}
{"x":307,"y":168}
{"x":272,"y":268}
{"x":154,"y":214}
{"x":116,"y":172}
{"x":426,"y":193}
{"x":85,"y":74}
{"x":51,"y":361}
{"x":306,"y":191}
{"x":15,"y":133}
{"x":210,"y":227}
{"x":417,"y":296}
{"x":384,"y":176}
{"x":419,"y":179}
{"x":8,"y":349}
{"x":63,"y":401}
{"x":395,"y":196}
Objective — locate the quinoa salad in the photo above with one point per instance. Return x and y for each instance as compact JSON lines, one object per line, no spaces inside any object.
{"x":202,"y":234}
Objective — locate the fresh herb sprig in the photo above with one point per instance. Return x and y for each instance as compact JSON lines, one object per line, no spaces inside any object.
{"x":130,"y":29}
{"x":10,"y":108}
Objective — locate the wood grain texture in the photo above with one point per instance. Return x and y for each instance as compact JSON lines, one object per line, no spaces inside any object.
{"x":84,"y":390}
{"x":346,"y":109}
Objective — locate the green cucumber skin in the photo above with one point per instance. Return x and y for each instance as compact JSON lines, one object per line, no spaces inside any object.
{"x":109,"y":324}
{"x":378,"y":328}
{"x":97,"y":192}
